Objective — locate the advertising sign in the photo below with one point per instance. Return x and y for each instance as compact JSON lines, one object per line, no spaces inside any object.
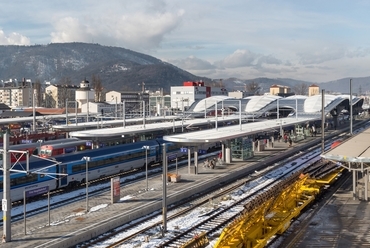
{"x":115,"y":189}
{"x":38,"y":191}
{"x":183,"y":149}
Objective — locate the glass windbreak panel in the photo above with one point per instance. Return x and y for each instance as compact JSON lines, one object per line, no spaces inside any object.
{"x":241,"y":149}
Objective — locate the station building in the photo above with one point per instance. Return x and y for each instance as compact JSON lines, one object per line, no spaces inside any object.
{"x":182,"y":97}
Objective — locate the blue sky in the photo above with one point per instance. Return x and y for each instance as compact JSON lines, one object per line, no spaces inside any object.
{"x":315,"y":41}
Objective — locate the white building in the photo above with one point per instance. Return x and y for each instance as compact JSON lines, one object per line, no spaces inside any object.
{"x":182,"y":97}
{"x":134,"y":102}
{"x":84,"y":93}
{"x":98,"y":108}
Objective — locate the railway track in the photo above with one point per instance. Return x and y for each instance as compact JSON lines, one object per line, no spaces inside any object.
{"x":126,"y":178}
{"x":218,"y":215}
{"x":142,"y":232}
{"x":160,"y":172}
{"x":251,"y":196}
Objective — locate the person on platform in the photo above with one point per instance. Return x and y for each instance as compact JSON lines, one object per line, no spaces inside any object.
{"x":220,"y":158}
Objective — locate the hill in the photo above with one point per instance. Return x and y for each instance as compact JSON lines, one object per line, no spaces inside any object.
{"x":360,"y":86}
{"x":123,"y":69}
{"x":118,"y":68}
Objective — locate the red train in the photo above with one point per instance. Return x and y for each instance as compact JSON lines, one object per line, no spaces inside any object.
{"x":51,"y":150}
{"x":32,"y":148}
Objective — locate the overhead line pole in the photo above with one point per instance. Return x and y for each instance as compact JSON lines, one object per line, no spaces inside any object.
{"x":323,"y":121}
{"x":6,"y":201}
{"x":350,"y":106}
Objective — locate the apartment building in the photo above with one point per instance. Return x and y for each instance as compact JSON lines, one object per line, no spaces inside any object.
{"x":57,"y":95}
{"x":16,"y":94}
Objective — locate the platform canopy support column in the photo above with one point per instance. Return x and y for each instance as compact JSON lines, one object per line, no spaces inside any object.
{"x":353,"y":182}
{"x":223,"y":152}
{"x":189,"y":160}
{"x":228,"y":155}
{"x":196,"y":160}
{"x":366,"y":179}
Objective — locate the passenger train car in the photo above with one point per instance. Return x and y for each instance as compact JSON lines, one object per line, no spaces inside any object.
{"x":52,"y":150}
{"x":32,"y":148}
{"x":102,"y":162}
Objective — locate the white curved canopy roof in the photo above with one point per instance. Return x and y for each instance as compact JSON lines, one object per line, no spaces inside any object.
{"x":208,"y":102}
{"x":258,"y":102}
{"x":313,"y":103}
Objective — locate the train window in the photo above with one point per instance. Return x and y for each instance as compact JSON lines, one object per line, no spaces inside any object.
{"x":116,"y":159}
{"x":48,"y":153}
{"x":93,"y":164}
{"x":24,"y":179}
{"x":79,"y":167}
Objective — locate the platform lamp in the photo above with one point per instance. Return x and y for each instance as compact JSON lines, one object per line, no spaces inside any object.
{"x":146,"y":165}
{"x":87,"y":159}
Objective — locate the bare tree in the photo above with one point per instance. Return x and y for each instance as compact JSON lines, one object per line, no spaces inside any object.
{"x":300,"y":89}
{"x":39,"y":88}
{"x":98,"y":88}
{"x":49,"y":101}
{"x":63,"y":91}
{"x":252,"y":87}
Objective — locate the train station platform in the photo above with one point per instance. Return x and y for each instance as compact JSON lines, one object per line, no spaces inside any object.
{"x":71,"y":224}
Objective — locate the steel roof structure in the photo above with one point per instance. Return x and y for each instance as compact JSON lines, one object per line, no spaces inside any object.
{"x":119,"y":131}
{"x":29,"y":119}
{"x":258,"y":105}
{"x":308,"y":110}
{"x":354,"y":150}
{"x":235,"y":131}
{"x":103,"y":124}
{"x":354,"y":155}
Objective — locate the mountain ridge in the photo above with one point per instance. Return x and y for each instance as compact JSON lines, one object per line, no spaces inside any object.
{"x":123,"y":69}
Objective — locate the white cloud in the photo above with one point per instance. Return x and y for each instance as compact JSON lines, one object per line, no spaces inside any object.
{"x":138,"y":31}
{"x":321,"y":55}
{"x":13,"y":39}
{"x":192,"y":63}
{"x":239,"y":58}
{"x":269,"y":59}
{"x":358,"y":52}
{"x":211,"y":38}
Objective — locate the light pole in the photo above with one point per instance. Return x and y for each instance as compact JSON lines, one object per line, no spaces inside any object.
{"x":87,"y":159}
{"x":124,"y":113}
{"x":87,"y":106}
{"x":350,"y":107}
{"x":146,"y":165}
{"x":66,"y":111}
{"x":33,"y":111}
{"x":40,"y":141}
